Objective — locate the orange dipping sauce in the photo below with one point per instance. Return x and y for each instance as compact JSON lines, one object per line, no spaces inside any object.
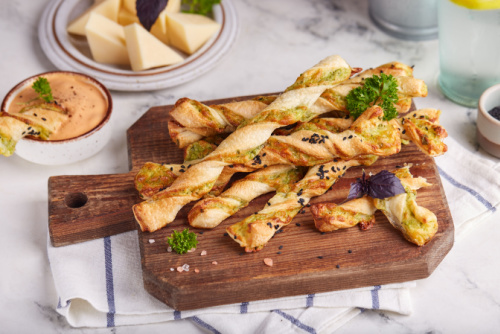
{"x":85,"y":104}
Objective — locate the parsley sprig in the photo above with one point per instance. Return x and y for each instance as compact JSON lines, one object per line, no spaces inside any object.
{"x":378,"y":90}
{"x":183,"y":241}
{"x":42,"y":87}
{"x":202,"y":7}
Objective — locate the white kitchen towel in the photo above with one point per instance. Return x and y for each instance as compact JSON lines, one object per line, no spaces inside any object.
{"x":100,"y":282}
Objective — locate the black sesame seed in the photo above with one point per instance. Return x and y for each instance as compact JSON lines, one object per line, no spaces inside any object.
{"x":320,"y":257}
{"x":226,"y":234}
{"x":276,"y":226}
{"x":171,"y":168}
{"x":181,"y":170}
{"x":350,"y":137}
{"x":349,"y":251}
{"x":278,"y":253}
{"x":231,"y":166}
{"x":270,"y":225}
{"x":323,"y":233}
{"x":404,"y":131}
{"x":268,"y":203}
{"x":344,"y":138}
{"x":280,"y":247}
{"x":337,"y":266}
{"x":297,"y":224}
{"x":182,"y":166}
{"x":201,"y":232}
{"x":264,"y":154}
{"x":35,"y":115}
{"x":235,"y":237}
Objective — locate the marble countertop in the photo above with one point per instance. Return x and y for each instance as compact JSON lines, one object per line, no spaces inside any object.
{"x":277,"y":40}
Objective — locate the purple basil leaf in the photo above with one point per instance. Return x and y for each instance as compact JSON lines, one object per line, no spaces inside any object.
{"x":359,"y":188}
{"x":356,"y":190}
{"x":149,"y":10}
{"x":385,"y":184}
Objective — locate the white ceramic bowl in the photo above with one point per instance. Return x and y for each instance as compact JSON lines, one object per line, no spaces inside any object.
{"x":488,"y":127}
{"x":60,"y":152}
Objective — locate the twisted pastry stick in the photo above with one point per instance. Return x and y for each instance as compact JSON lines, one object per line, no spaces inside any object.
{"x":210,"y":212}
{"x":417,"y":224}
{"x":38,"y":120}
{"x":193,"y":120}
{"x":255,"y":231}
{"x":242,"y":145}
{"x":369,"y":134}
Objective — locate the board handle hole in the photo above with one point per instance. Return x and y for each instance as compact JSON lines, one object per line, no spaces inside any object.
{"x":75,"y":200}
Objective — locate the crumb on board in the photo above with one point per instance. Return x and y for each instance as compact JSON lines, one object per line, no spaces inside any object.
{"x":203,"y":253}
{"x":214,"y":262}
{"x":196,"y":270}
{"x":191,"y":250}
{"x":180,"y":269}
{"x":151,"y":241}
{"x":268,"y":262}
{"x":169,"y":249}
{"x":172,"y":269}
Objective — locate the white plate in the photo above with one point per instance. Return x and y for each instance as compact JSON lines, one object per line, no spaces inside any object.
{"x":70,"y":53}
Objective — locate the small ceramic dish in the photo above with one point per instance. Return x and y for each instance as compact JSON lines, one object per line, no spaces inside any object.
{"x":488,"y":127}
{"x":64,"y":151}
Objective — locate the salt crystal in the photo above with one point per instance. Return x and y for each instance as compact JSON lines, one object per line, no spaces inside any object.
{"x":191,"y":250}
{"x":196,"y":270}
{"x":185,"y":267}
{"x":203,"y":253}
{"x":214,"y":262}
{"x":268,"y":262}
{"x":172,"y":269}
{"x":151,"y":241}
{"x":169,"y":249}
{"x":180,"y":269}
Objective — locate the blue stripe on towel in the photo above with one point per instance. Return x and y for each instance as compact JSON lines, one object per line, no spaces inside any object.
{"x":457,"y":184}
{"x":375,"y":300}
{"x":244,"y":307}
{"x":204,"y":325}
{"x":110,"y":290}
{"x":310,"y":300}
{"x":177,"y":315}
{"x":295,"y":321}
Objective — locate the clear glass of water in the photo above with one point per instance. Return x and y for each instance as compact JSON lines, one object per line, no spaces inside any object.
{"x":469,"y":48}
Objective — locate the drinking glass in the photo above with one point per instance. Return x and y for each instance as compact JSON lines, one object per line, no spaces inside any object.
{"x":469,"y":48}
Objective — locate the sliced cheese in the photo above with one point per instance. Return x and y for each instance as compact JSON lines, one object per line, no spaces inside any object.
{"x":125,"y":17}
{"x":146,"y":51}
{"x":188,"y":32}
{"x":106,"y":40}
{"x":159,"y":29}
{"x":173,"y":6}
{"x":107,"y":8}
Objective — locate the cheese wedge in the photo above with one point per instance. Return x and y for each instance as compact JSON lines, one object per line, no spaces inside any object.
{"x":173,"y":6}
{"x":125,"y":17}
{"x":188,"y":32}
{"x":106,"y":40}
{"x":146,"y":51}
{"x":107,"y":8}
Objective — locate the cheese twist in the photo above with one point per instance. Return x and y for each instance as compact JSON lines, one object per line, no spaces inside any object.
{"x":255,"y":231}
{"x":192,"y":120}
{"x":210,"y":212}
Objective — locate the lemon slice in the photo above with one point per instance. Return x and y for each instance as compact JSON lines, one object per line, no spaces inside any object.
{"x":478,"y":4}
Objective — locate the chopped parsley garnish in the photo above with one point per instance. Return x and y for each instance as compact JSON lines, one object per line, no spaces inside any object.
{"x":183,"y":241}
{"x":42,"y":87}
{"x":378,"y":90}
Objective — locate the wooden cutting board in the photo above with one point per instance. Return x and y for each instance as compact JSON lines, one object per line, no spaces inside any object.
{"x":85,"y":207}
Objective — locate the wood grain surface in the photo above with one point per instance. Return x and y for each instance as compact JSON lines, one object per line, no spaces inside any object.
{"x":305,"y":261}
